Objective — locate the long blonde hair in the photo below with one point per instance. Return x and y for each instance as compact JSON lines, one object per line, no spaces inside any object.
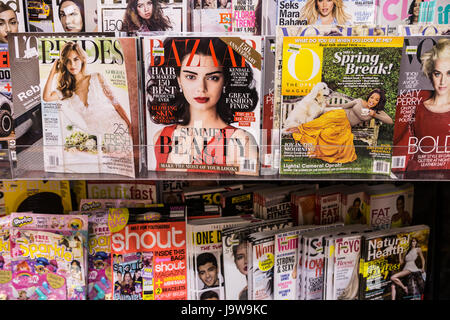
{"x":66,"y":80}
{"x":310,"y":12}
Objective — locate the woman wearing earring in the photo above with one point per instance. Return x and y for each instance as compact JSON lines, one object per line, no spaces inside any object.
{"x":325,"y":12}
{"x":200,"y":132}
{"x":145,"y":16}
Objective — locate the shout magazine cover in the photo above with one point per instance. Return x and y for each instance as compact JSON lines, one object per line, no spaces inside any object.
{"x":338,"y":104}
{"x":421,"y":135}
{"x":89,"y":104}
{"x":202,"y":103}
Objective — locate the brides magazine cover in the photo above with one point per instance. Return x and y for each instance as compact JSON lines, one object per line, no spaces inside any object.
{"x":89,"y":104}
{"x":203,"y":103}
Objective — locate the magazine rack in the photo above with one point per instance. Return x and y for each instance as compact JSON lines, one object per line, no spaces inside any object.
{"x":26,"y":163}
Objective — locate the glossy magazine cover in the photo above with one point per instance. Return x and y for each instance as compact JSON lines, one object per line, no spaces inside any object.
{"x":338,"y":104}
{"x":421,"y":135}
{"x":202,"y":103}
{"x":311,"y":12}
{"x":134,"y":16}
{"x":393,"y":264}
{"x":86,"y":79}
{"x":223,"y":16}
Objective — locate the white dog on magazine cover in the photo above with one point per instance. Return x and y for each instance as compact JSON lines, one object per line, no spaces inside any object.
{"x":309,"y":108}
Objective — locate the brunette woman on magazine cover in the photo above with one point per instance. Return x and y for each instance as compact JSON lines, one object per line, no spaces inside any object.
{"x":325,"y":12}
{"x":88,"y":102}
{"x":331,"y":133}
{"x":201,"y":102}
{"x":71,"y":15}
{"x":144,"y":16}
{"x":8,"y":22}
{"x":408,"y":260}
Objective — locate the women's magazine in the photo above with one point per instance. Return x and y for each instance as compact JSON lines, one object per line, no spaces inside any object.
{"x":412,"y":12}
{"x":338,"y":104}
{"x":312,"y":12}
{"x":224,"y":16}
{"x":82,"y":81}
{"x":202,"y":103}
{"x":393,"y":264}
{"x":421,"y":136}
{"x":134,"y":16}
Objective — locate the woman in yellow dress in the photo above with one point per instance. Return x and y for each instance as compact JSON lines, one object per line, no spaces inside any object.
{"x":330,"y":138}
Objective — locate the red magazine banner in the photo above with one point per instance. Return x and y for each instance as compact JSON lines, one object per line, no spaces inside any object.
{"x":149,"y":259}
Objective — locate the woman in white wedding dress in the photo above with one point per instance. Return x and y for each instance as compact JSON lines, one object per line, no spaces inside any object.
{"x":88,"y":105}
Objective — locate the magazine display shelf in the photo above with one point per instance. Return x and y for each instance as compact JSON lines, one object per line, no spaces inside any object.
{"x":29,"y":166}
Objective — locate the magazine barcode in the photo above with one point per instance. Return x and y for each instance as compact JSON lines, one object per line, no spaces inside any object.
{"x":380,"y":167}
{"x":53,"y":160}
{"x":398,"y":162}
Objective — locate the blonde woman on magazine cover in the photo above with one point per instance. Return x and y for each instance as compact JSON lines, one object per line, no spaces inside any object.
{"x":331,"y":133}
{"x":144,"y":16}
{"x":201,"y":101}
{"x":88,"y":102}
{"x":8,"y":22}
{"x":432,"y":113}
{"x":325,"y":12}
{"x":409,"y":261}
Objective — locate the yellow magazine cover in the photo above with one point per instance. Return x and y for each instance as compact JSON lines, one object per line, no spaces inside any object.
{"x":51,"y":197}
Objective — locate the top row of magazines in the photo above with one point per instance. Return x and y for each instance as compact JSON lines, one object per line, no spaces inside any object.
{"x":338,"y":98}
{"x":256,"y":17}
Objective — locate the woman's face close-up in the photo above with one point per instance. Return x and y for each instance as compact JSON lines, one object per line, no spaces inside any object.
{"x":241,"y":258}
{"x":325,"y":7}
{"x":70,"y":16}
{"x":8,"y":24}
{"x":223,"y":3}
{"x":373,"y":100}
{"x":145,"y":9}
{"x":440,"y":76}
{"x":202,"y":82}
{"x":74,"y":63}
{"x":416,"y":9}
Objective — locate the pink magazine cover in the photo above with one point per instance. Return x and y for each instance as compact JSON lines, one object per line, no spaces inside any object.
{"x":5,"y":259}
{"x":48,"y":256}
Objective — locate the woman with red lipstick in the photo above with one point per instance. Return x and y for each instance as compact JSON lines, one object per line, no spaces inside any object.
{"x":432,"y":114}
{"x":324,"y":12}
{"x":199,"y":131}
{"x":144,"y":16}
